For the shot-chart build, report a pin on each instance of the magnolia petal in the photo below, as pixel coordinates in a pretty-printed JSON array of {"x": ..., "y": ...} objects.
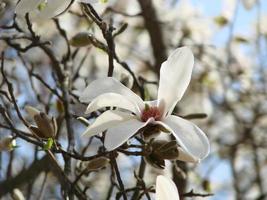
[
  {"x": 51, "y": 9},
  {"x": 175, "y": 75},
  {"x": 152, "y": 103},
  {"x": 192, "y": 140},
  {"x": 166, "y": 189},
  {"x": 183, "y": 156},
  {"x": 119, "y": 134},
  {"x": 106, "y": 85},
  {"x": 106, "y": 120},
  {"x": 111, "y": 100},
  {"x": 25, "y": 6}
]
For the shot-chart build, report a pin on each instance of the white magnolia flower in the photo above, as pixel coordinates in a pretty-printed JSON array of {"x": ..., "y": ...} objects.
[
  {"x": 135, "y": 114},
  {"x": 166, "y": 189},
  {"x": 45, "y": 9}
]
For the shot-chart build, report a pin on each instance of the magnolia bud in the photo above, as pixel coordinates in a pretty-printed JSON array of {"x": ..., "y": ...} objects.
[
  {"x": 97, "y": 163},
  {"x": 80, "y": 40},
  {"x": 35, "y": 130},
  {"x": 240, "y": 39},
  {"x": 45, "y": 125},
  {"x": 221, "y": 20},
  {"x": 155, "y": 161},
  {"x": 59, "y": 106},
  {"x": 7, "y": 144},
  {"x": 166, "y": 150},
  {"x": 206, "y": 185},
  {"x": 154, "y": 157},
  {"x": 160, "y": 150},
  {"x": 151, "y": 131},
  {"x": 93, "y": 165}
]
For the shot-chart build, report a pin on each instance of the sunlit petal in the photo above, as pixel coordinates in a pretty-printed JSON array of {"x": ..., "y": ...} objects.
[
  {"x": 25, "y": 6},
  {"x": 175, "y": 75},
  {"x": 111, "y": 100},
  {"x": 51, "y": 9},
  {"x": 107, "y": 85},
  {"x": 192, "y": 140},
  {"x": 166, "y": 189},
  {"x": 119, "y": 134},
  {"x": 106, "y": 120},
  {"x": 183, "y": 156}
]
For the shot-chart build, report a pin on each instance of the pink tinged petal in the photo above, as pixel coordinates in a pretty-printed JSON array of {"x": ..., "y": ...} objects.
[
  {"x": 105, "y": 121},
  {"x": 153, "y": 103},
  {"x": 111, "y": 100},
  {"x": 166, "y": 189},
  {"x": 192, "y": 140},
  {"x": 25, "y": 6},
  {"x": 109, "y": 85},
  {"x": 175, "y": 75},
  {"x": 119, "y": 134},
  {"x": 52, "y": 9}
]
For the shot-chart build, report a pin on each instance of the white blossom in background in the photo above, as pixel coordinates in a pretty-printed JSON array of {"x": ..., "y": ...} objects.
[
  {"x": 199, "y": 102},
  {"x": 188, "y": 20},
  {"x": 7, "y": 143},
  {"x": 17, "y": 194},
  {"x": 249, "y": 4},
  {"x": 175, "y": 75},
  {"x": 45, "y": 9},
  {"x": 262, "y": 24},
  {"x": 228, "y": 9},
  {"x": 166, "y": 189}
]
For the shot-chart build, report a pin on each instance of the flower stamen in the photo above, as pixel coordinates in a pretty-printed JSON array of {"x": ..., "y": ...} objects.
[{"x": 150, "y": 112}]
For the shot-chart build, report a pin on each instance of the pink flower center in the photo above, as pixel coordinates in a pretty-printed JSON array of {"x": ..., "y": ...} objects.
[{"x": 149, "y": 112}]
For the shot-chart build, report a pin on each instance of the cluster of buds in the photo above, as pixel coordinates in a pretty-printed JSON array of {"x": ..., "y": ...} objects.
[
  {"x": 160, "y": 150},
  {"x": 153, "y": 130}
]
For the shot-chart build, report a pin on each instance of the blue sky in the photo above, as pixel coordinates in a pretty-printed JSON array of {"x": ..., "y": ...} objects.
[
  {"x": 245, "y": 18},
  {"x": 243, "y": 26}
]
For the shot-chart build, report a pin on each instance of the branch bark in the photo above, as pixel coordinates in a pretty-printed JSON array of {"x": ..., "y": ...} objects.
[{"x": 155, "y": 32}]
